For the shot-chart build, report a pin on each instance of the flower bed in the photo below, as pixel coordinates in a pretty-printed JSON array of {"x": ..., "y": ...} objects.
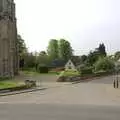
[{"x": 83, "y": 77}]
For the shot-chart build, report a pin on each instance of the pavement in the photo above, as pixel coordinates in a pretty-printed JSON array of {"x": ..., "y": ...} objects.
[{"x": 93, "y": 100}]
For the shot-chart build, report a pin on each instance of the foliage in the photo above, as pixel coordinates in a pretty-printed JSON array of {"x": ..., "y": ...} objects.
[
  {"x": 42, "y": 68},
  {"x": 42, "y": 58},
  {"x": 65, "y": 49},
  {"x": 117, "y": 55},
  {"x": 29, "y": 60},
  {"x": 21, "y": 46},
  {"x": 86, "y": 71},
  {"x": 68, "y": 73},
  {"x": 102, "y": 50},
  {"x": 53, "y": 49},
  {"x": 104, "y": 64},
  {"x": 94, "y": 56},
  {"x": 22, "y": 50},
  {"x": 83, "y": 58}
]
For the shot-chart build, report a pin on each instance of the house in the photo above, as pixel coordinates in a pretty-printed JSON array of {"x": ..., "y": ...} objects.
[
  {"x": 57, "y": 63},
  {"x": 73, "y": 63}
]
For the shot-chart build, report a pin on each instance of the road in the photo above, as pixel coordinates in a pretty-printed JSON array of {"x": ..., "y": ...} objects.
[
  {"x": 94, "y": 100},
  {"x": 58, "y": 112}
]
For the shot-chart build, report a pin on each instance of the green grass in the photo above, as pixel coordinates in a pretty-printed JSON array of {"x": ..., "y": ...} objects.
[
  {"x": 32, "y": 73},
  {"x": 8, "y": 84},
  {"x": 69, "y": 73}
]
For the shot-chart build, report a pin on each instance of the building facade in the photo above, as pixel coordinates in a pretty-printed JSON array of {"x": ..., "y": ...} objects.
[{"x": 9, "y": 63}]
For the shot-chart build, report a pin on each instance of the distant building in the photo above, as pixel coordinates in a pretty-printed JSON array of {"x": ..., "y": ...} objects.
[
  {"x": 9, "y": 63},
  {"x": 70, "y": 66},
  {"x": 73, "y": 63}
]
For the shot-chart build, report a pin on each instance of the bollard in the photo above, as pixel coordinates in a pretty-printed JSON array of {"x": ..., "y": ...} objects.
[
  {"x": 114, "y": 83},
  {"x": 117, "y": 84}
]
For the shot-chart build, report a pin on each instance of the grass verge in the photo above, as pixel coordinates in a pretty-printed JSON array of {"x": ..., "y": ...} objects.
[{"x": 8, "y": 84}]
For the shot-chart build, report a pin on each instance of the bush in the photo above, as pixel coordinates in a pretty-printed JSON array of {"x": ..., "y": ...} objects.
[
  {"x": 67, "y": 73},
  {"x": 102, "y": 73},
  {"x": 86, "y": 71},
  {"x": 104, "y": 64},
  {"x": 42, "y": 69}
]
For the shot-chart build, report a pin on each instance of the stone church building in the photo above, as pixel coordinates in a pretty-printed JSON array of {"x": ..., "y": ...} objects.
[{"x": 9, "y": 63}]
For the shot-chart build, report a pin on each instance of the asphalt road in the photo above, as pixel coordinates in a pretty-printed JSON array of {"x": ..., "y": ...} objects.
[
  {"x": 104, "y": 80},
  {"x": 58, "y": 112},
  {"x": 95, "y": 100}
]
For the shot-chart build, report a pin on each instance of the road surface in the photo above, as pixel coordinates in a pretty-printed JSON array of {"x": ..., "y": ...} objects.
[
  {"x": 94, "y": 100},
  {"x": 58, "y": 112}
]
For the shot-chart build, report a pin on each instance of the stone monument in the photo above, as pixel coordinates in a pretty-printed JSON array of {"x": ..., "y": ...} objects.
[{"x": 9, "y": 63}]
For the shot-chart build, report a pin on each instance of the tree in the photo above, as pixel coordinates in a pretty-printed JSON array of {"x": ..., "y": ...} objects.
[
  {"x": 21, "y": 46},
  {"x": 96, "y": 54},
  {"x": 43, "y": 58},
  {"x": 101, "y": 50},
  {"x": 22, "y": 50},
  {"x": 83, "y": 58},
  {"x": 117, "y": 55},
  {"x": 92, "y": 58},
  {"x": 53, "y": 49},
  {"x": 29, "y": 60},
  {"x": 65, "y": 49},
  {"x": 104, "y": 64}
]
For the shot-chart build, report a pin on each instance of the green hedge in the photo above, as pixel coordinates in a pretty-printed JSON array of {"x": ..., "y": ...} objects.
[
  {"x": 86, "y": 71},
  {"x": 43, "y": 69}
]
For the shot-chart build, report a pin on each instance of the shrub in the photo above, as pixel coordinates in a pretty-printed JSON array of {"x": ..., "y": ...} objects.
[
  {"x": 42, "y": 69},
  {"x": 67, "y": 73},
  {"x": 104, "y": 64},
  {"x": 86, "y": 71}
]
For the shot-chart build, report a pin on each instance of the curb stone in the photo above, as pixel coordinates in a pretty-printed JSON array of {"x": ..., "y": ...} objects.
[{"x": 20, "y": 92}]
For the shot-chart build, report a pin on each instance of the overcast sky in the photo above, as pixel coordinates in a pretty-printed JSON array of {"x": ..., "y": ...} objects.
[{"x": 85, "y": 23}]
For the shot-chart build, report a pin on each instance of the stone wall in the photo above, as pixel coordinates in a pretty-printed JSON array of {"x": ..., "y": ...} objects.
[{"x": 9, "y": 63}]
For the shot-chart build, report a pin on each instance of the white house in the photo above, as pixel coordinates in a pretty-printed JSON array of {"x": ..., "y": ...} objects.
[{"x": 70, "y": 66}]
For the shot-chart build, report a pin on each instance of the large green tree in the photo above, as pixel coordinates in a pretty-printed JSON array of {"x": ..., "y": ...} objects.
[
  {"x": 43, "y": 58},
  {"x": 92, "y": 57},
  {"x": 101, "y": 50},
  {"x": 53, "y": 49},
  {"x": 29, "y": 60},
  {"x": 104, "y": 64},
  {"x": 22, "y": 49},
  {"x": 65, "y": 49}
]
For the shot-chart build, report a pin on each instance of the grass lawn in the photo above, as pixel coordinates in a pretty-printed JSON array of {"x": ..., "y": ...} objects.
[
  {"x": 8, "y": 84},
  {"x": 31, "y": 73}
]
